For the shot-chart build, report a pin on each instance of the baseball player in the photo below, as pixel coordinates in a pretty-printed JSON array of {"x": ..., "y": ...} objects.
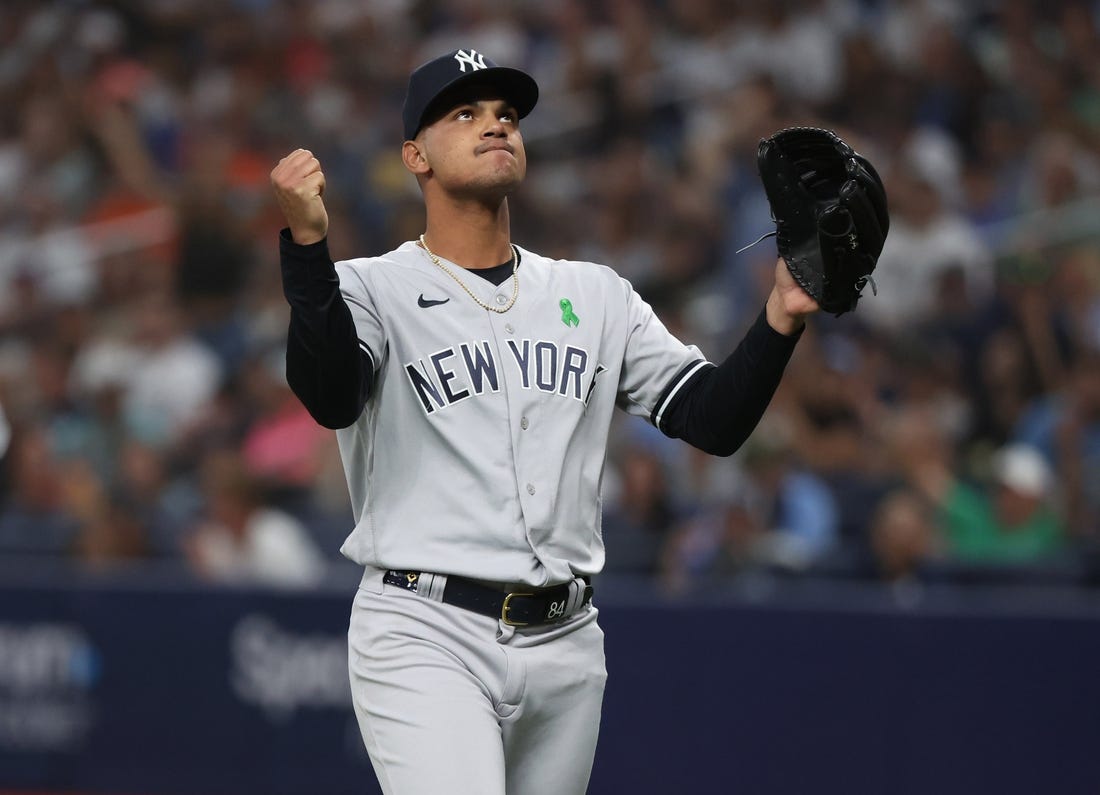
[{"x": 471, "y": 383}]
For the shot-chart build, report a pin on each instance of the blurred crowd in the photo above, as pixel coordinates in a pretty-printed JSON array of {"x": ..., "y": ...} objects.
[{"x": 949, "y": 429}]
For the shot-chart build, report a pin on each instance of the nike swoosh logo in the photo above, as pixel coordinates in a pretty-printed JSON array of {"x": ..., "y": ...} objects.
[{"x": 426, "y": 302}]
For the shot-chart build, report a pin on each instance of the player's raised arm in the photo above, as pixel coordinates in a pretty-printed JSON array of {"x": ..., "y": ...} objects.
[
  {"x": 299, "y": 185},
  {"x": 831, "y": 222},
  {"x": 325, "y": 365}
]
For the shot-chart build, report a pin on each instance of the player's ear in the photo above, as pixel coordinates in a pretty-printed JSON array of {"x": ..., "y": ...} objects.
[{"x": 412, "y": 155}]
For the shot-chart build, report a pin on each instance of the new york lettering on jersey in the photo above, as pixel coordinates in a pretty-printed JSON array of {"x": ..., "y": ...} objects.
[
  {"x": 455, "y": 373},
  {"x": 451, "y": 351}
]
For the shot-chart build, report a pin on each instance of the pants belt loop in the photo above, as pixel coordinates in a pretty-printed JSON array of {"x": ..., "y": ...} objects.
[
  {"x": 431, "y": 586},
  {"x": 576, "y": 596}
]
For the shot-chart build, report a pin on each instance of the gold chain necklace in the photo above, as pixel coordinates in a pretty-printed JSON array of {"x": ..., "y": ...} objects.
[{"x": 500, "y": 310}]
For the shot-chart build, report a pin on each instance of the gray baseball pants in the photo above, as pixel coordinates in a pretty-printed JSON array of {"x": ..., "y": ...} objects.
[{"x": 450, "y": 701}]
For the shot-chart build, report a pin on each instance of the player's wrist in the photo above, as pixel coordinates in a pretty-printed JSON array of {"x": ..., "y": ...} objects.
[
  {"x": 780, "y": 318},
  {"x": 307, "y": 237}
]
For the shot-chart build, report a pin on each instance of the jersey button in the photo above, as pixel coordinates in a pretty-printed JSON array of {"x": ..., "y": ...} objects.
[
  {"x": 523, "y": 423},
  {"x": 508, "y": 328},
  {"x": 530, "y": 489},
  {"x": 501, "y": 300}
]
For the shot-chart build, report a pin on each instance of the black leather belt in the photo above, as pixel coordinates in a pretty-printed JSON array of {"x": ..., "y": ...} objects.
[{"x": 517, "y": 608}]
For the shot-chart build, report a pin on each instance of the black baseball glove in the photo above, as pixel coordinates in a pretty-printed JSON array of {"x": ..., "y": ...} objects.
[{"x": 829, "y": 207}]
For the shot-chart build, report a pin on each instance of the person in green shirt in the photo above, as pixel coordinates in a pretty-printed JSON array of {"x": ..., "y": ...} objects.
[{"x": 1011, "y": 522}]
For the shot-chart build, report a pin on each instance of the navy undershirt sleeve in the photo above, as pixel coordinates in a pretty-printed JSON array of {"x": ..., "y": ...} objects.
[
  {"x": 325, "y": 366},
  {"x": 719, "y": 407}
]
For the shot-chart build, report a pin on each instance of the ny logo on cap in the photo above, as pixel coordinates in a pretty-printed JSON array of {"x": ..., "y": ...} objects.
[{"x": 475, "y": 59}]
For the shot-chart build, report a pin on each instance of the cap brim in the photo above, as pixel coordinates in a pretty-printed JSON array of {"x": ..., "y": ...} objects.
[{"x": 517, "y": 88}]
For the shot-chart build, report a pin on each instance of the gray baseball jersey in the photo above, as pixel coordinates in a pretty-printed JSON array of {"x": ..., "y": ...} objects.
[{"x": 481, "y": 450}]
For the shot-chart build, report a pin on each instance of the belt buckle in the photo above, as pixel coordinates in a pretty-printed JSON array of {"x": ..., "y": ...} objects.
[{"x": 506, "y": 607}]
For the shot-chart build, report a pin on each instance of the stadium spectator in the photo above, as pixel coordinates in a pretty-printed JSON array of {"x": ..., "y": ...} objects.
[
  {"x": 1011, "y": 519},
  {"x": 239, "y": 539},
  {"x": 1065, "y": 427},
  {"x": 779, "y": 515},
  {"x": 638, "y": 514},
  {"x": 904, "y": 536}
]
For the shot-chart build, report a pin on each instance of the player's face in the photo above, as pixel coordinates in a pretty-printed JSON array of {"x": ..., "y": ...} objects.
[{"x": 475, "y": 147}]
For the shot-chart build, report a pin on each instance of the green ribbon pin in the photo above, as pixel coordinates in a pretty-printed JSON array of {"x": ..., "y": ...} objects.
[{"x": 567, "y": 316}]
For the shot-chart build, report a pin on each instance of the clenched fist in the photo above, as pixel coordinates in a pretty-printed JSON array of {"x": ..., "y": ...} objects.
[{"x": 299, "y": 185}]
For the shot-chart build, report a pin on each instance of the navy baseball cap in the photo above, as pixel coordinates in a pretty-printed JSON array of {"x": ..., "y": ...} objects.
[{"x": 429, "y": 81}]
